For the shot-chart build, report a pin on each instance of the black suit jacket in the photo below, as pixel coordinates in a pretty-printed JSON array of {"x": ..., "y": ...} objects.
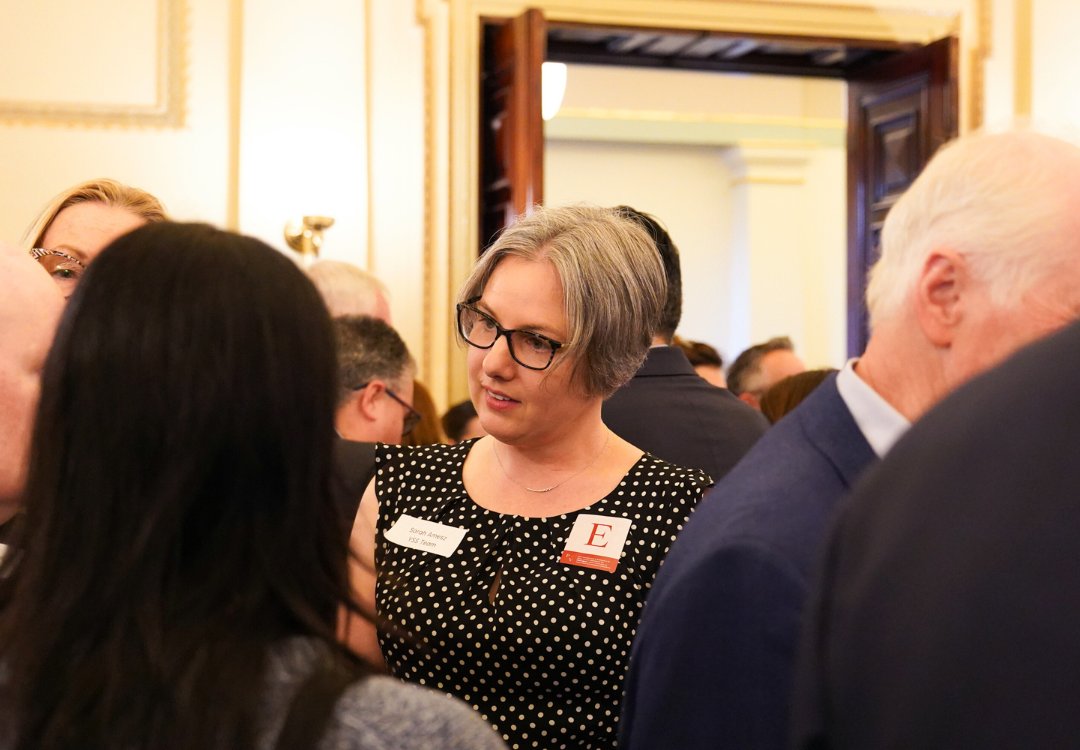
[
  {"x": 668, "y": 410},
  {"x": 948, "y": 615},
  {"x": 354, "y": 466}
]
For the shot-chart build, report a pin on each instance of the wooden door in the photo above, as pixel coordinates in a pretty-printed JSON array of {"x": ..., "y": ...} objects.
[
  {"x": 512, "y": 128},
  {"x": 899, "y": 112}
]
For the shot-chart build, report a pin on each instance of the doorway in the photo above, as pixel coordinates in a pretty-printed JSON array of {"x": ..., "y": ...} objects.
[
  {"x": 902, "y": 104},
  {"x": 453, "y": 43}
]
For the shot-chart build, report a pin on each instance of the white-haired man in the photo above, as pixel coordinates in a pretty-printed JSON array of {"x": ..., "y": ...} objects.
[
  {"x": 979, "y": 257},
  {"x": 30, "y": 306},
  {"x": 349, "y": 290}
]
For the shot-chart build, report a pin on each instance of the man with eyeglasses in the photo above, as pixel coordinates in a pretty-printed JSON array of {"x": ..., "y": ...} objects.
[
  {"x": 375, "y": 373},
  {"x": 375, "y": 391},
  {"x": 30, "y": 306}
]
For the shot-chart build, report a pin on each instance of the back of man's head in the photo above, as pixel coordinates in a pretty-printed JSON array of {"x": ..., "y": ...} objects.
[
  {"x": 1006, "y": 202},
  {"x": 669, "y": 254},
  {"x": 348, "y": 290},
  {"x": 980, "y": 257},
  {"x": 752, "y": 373},
  {"x": 30, "y": 306},
  {"x": 370, "y": 352}
]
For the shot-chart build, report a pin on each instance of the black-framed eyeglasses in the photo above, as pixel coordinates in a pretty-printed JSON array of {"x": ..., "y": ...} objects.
[
  {"x": 412, "y": 416},
  {"x": 529, "y": 349},
  {"x": 66, "y": 270}
]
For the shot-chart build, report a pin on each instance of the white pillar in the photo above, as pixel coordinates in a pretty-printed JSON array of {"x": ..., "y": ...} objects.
[{"x": 788, "y": 254}]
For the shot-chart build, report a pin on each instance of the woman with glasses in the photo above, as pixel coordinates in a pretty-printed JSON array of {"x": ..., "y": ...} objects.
[
  {"x": 80, "y": 222},
  {"x": 512, "y": 569},
  {"x": 182, "y": 560}
]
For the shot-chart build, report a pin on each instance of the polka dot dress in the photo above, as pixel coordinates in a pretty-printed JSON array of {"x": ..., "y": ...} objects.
[{"x": 537, "y": 646}]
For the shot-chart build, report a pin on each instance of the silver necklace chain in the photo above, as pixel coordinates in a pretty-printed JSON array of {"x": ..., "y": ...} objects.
[{"x": 557, "y": 484}]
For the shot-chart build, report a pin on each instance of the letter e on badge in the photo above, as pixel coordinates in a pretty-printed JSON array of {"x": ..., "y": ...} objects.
[{"x": 596, "y": 542}]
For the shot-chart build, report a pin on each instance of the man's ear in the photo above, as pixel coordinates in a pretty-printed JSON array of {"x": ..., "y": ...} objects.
[
  {"x": 750, "y": 400},
  {"x": 939, "y": 295},
  {"x": 367, "y": 399}
]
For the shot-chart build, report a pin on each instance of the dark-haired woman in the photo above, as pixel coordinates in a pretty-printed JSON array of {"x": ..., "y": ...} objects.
[{"x": 182, "y": 559}]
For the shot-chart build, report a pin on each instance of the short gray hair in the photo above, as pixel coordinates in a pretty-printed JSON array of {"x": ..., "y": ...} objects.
[
  {"x": 347, "y": 289},
  {"x": 613, "y": 286},
  {"x": 1007, "y": 202},
  {"x": 368, "y": 348}
]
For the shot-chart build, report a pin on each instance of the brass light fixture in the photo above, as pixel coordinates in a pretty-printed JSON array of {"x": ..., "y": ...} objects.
[{"x": 307, "y": 239}]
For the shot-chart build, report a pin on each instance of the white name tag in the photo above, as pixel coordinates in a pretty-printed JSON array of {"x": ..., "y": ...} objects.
[
  {"x": 596, "y": 542},
  {"x": 428, "y": 536}
]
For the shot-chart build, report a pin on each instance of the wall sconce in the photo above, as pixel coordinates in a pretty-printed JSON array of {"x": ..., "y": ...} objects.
[
  {"x": 307, "y": 239},
  {"x": 553, "y": 88}
]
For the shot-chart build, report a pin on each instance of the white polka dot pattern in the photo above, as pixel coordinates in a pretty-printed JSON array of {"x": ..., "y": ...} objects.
[{"x": 545, "y": 662}]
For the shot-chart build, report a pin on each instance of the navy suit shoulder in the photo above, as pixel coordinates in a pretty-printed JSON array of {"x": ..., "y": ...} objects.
[
  {"x": 714, "y": 655},
  {"x": 670, "y": 411}
]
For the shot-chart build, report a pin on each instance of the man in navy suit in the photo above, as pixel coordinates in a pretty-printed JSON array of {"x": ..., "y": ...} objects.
[
  {"x": 979, "y": 257},
  {"x": 948, "y": 615},
  {"x": 667, "y": 409}
]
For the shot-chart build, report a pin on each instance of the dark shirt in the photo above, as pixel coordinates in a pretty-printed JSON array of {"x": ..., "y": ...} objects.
[
  {"x": 354, "y": 466},
  {"x": 7, "y": 530}
]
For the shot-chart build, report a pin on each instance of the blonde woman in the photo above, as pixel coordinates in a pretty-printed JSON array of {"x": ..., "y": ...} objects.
[{"x": 76, "y": 225}]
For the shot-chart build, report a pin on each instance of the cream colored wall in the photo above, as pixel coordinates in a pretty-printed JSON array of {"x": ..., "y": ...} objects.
[
  {"x": 303, "y": 132},
  {"x": 1055, "y": 67},
  {"x": 187, "y": 166},
  {"x": 687, "y": 188},
  {"x": 396, "y": 151}
]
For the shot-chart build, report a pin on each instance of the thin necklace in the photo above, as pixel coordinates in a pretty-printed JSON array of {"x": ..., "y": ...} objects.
[{"x": 557, "y": 484}]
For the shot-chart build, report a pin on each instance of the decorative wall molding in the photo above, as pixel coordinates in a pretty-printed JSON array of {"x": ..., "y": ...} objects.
[
  {"x": 764, "y": 163},
  {"x": 1022, "y": 36},
  {"x": 976, "y": 47},
  {"x": 823, "y": 20},
  {"x": 236, "y": 85},
  {"x": 689, "y": 128},
  {"x": 168, "y": 109},
  {"x": 369, "y": 146},
  {"x": 437, "y": 358}
]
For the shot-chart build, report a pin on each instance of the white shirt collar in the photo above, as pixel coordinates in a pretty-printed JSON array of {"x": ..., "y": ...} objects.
[{"x": 879, "y": 422}]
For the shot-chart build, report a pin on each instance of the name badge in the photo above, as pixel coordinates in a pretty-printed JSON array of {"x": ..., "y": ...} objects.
[
  {"x": 428, "y": 536},
  {"x": 596, "y": 542}
]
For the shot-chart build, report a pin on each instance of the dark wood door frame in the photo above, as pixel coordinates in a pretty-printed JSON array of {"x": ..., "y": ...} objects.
[
  {"x": 511, "y": 125},
  {"x": 900, "y": 112}
]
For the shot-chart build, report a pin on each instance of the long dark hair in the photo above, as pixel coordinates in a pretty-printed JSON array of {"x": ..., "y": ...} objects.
[{"x": 178, "y": 516}]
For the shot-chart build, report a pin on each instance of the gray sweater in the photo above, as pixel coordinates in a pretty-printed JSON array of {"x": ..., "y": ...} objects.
[{"x": 377, "y": 713}]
